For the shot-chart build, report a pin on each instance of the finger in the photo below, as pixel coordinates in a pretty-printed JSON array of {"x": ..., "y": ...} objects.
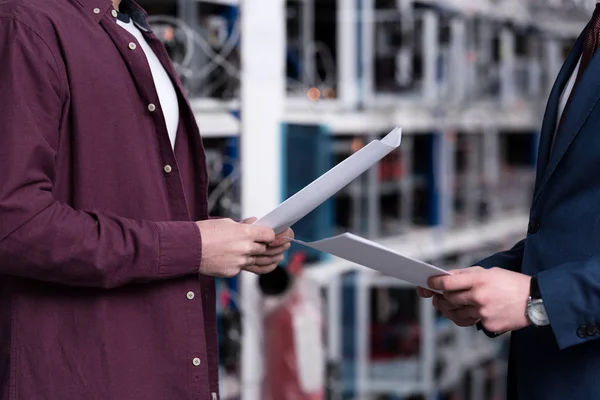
[
  {"x": 291, "y": 234},
  {"x": 275, "y": 251},
  {"x": 250, "y": 221},
  {"x": 260, "y": 270},
  {"x": 424, "y": 293},
  {"x": 280, "y": 240},
  {"x": 466, "y": 316},
  {"x": 443, "y": 305},
  {"x": 250, "y": 261},
  {"x": 463, "y": 297},
  {"x": 262, "y": 234},
  {"x": 263, "y": 261},
  {"x": 257, "y": 249},
  {"x": 288, "y": 233},
  {"x": 452, "y": 283}
]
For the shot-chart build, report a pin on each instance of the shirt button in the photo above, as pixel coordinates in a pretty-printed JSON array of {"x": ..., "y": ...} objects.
[
  {"x": 96, "y": 11},
  {"x": 114, "y": 13},
  {"x": 190, "y": 295},
  {"x": 196, "y": 361},
  {"x": 132, "y": 46},
  {"x": 151, "y": 107},
  {"x": 168, "y": 169},
  {"x": 581, "y": 332}
]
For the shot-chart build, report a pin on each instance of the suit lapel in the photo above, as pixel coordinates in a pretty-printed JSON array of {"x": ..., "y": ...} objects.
[
  {"x": 551, "y": 114},
  {"x": 585, "y": 97}
]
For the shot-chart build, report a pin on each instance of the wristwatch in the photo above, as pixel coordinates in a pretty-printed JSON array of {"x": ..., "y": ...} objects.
[{"x": 536, "y": 311}]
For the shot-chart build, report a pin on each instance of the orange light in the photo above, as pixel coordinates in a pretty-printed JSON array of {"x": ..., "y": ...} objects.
[
  {"x": 357, "y": 144},
  {"x": 471, "y": 57},
  {"x": 329, "y": 93},
  {"x": 313, "y": 94},
  {"x": 169, "y": 34}
]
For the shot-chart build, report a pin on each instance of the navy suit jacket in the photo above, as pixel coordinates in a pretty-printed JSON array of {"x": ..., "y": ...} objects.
[{"x": 562, "y": 248}]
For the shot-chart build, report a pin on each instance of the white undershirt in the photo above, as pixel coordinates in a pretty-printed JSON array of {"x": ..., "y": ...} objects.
[
  {"x": 164, "y": 86},
  {"x": 567, "y": 92}
]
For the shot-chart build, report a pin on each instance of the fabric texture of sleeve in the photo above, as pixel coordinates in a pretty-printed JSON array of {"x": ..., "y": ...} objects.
[
  {"x": 509, "y": 259},
  {"x": 571, "y": 294},
  {"x": 41, "y": 238}
]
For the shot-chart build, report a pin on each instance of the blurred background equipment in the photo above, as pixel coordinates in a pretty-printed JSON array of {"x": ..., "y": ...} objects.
[
  {"x": 285, "y": 89},
  {"x": 295, "y": 365}
]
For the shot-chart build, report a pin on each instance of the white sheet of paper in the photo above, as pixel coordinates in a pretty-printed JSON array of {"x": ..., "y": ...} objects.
[
  {"x": 316, "y": 193},
  {"x": 377, "y": 257}
]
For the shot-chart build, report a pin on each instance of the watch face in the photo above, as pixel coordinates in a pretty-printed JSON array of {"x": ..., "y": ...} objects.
[{"x": 537, "y": 314}]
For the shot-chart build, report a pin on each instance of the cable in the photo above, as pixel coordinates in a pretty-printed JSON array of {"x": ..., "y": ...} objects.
[
  {"x": 217, "y": 59},
  {"x": 187, "y": 59},
  {"x": 317, "y": 47},
  {"x": 232, "y": 74},
  {"x": 222, "y": 187}
]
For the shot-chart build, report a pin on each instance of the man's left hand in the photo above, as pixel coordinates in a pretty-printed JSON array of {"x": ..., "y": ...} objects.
[
  {"x": 499, "y": 296},
  {"x": 270, "y": 259}
]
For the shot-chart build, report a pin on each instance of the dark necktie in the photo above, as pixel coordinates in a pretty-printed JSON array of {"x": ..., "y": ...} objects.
[{"x": 591, "y": 44}]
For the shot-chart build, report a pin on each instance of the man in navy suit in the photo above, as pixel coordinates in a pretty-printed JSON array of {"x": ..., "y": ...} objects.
[{"x": 546, "y": 289}]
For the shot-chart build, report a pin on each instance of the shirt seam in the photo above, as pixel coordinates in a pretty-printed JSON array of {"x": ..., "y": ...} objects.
[
  {"x": 160, "y": 249},
  {"x": 36, "y": 33}
]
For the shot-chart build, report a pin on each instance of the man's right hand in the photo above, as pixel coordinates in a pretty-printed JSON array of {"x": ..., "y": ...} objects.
[
  {"x": 228, "y": 246},
  {"x": 461, "y": 315}
]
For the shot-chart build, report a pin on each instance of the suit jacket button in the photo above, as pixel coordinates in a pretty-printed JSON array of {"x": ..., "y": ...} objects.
[
  {"x": 534, "y": 226},
  {"x": 592, "y": 330},
  {"x": 581, "y": 332}
]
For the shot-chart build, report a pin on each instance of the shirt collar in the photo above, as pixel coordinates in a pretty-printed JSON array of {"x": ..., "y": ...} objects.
[
  {"x": 97, "y": 8},
  {"x": 123, "y": 17},
  {"x": 129, "y": 9}
]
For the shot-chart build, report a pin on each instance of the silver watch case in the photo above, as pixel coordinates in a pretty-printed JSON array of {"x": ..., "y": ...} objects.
[{"x": 536, "y": 312}]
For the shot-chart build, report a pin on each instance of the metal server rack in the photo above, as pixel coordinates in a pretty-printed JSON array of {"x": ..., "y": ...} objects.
[{"x": 489, "y": 148}]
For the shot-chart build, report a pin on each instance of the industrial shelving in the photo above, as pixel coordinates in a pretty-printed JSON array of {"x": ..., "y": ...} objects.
[
  {"x": 430, "y": 244},
  {"x": 466, "y": 80}
]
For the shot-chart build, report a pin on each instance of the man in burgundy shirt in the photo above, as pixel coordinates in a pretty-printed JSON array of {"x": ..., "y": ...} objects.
[{"x": 107, "y": 287}]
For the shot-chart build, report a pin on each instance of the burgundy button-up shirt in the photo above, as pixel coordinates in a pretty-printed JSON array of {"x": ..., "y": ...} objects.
[{"x": 100, "y": 296}]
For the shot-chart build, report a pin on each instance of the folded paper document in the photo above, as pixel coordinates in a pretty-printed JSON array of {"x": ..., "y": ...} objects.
[
  {"x": 374, "y": 256},
  {"x": 349, "y": 246},
  {"x": 302, "y": 203}
]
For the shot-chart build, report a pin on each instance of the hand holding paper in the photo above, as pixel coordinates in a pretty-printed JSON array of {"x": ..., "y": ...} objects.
[
  {"x": 348, "y": 246},
  {"x": 374, "y": 256}
]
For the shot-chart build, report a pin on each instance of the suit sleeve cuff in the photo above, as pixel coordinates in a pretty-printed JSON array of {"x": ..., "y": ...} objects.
[
  {"x": 487, "y": 263},
  {"x": 180, "y": 249},
  {"x": 558, "y": 291}
]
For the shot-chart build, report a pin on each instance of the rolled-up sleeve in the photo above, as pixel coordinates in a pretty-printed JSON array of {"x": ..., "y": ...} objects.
[{"x": 41, "y": 238}]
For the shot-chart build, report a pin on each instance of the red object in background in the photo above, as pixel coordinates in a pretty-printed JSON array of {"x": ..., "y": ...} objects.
[
  {"x": 282, "y": 376},
  {"x": 390, "y": 341},
  {"x": 391, "y": 168}
]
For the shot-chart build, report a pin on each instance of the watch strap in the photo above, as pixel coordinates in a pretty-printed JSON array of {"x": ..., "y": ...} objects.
[
  {"x": 487, "y": 333},
  {"x": 534, "y": 289}
]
